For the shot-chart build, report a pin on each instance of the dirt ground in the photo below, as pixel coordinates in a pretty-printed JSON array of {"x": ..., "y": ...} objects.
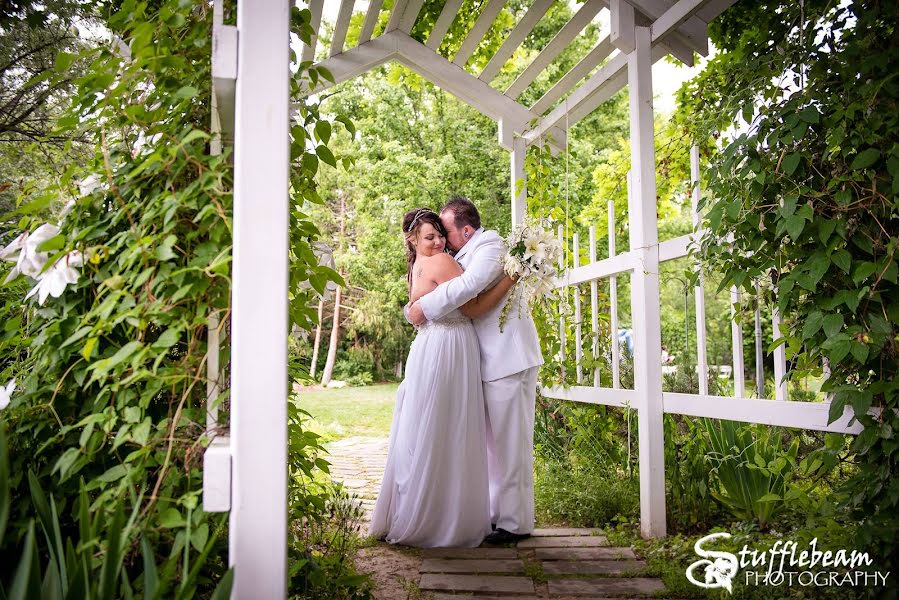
[{"x": 393, "y": 571}]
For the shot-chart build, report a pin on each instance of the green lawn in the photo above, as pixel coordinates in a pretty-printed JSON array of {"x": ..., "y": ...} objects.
[{"x": 347, "y": 412}]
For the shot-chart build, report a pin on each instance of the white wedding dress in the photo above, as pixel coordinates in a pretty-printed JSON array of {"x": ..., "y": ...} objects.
[{"x": 435, "y": 487}]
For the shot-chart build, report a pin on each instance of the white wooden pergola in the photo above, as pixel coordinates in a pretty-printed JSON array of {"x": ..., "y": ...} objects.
[{"x": 245, "y": 473}]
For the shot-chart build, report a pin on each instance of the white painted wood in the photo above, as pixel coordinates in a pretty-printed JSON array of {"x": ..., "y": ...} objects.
[
  {"x": 371, "y": 19},
  {"x": 736, "y": 338},
  {"x": 674, "y": 45},
  {"x": 217, "y": 476},
  {"x": 598, "y": 54},
  {"x": 356, "y": 61},
  {"x": 447, "y": 15},
  {"x": 694, "y": 31},
  {"x": 340, "y": 28},
  {"x": 478, "y": 31},
  {"x": 519, "y": 181},
  {"x": 608, "y": 267},
  {"x": 699, "y": 291},
  {"x": 410, "y": 15},
  {"x": 563, "y": 296},
  {"x": 578, "y": 317},
  {"x": 759, "y": 353},
  {"x": 613, "y": 292},
  {"x": 674, "y": 17},
  {"x": 315, "y": 7},
  {"x": 711, "y": 9},
  {"x": 780, "y": 358},
  {"x": 516, "y": 37},
  {"x": 555, "y": 46},
  {"x": 591, "y": 395},
  {"x": 469, "y": 89},
  {"x": 675, "y": 248},
  {"x": 802, "y": 415},
  {"x": 594, "y": 308},
  {"x": 645, "y": 305},
  {"x": 396, "y": 15},
  {"x": 213, "y": 371},
  {"x": 622, "y": 22},
  {"x": 258, "y": 519},
  {"x": 224, "y": 77}
]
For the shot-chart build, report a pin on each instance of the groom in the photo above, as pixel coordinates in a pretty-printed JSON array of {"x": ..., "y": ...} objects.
[{"x": 510, "y": 360}]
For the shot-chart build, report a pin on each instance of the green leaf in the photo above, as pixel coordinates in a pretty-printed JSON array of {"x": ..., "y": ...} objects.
[
  {"x": 188, "y": 91},
  {"x": 113, "y": 474},
  {"x": 791, "y": 162},
  {"x": 168, "y": 338},
  {"x": 863, "y": 271},
  {"x": 325, "y": 154},
  {"x": 832, "y": 324},
  {"x": 865, "y": 159},
  {"x": 860, "y": 352},
  {"x": 842, "y": 259},
  {"x": 323, "y": 131},
  {"x": 171, "y": 518},
  {"x": 57, "y": 242},
  {"x": 812, "y": 324},
  {"x": 795, "y": 224}
]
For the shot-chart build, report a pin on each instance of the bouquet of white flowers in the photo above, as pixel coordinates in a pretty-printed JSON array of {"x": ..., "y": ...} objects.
[{"x": 533, "y": 255}]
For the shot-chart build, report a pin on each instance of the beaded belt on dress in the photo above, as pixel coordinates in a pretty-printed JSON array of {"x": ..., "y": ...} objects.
[{"x": 449, "y": 322}]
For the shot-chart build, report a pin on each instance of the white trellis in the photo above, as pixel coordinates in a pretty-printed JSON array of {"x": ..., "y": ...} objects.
[{"x": 245, "y": 472}]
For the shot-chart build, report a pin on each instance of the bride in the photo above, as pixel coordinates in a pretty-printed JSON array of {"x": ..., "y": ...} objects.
[{"x": 435, "y": 487}]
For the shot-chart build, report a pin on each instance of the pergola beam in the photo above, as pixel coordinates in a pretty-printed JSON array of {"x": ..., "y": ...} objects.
[
  {"x": 447, "y": 15},
  {"x": 515, "y": 39},
  {"x": 396, "y": 15},
  {"x": 478, "y": 31},
  {"x": 371, "y": 19},
  {"x": 600, "y": 52},
  {"x": 693, "y": 31},
  {"x": 410, "y": 14},
  {"x": 613, "y": 75},
  {"x": 356, "y": 61},
  {"x": 340, "y": 29},
  {"x": 315, "y": 7},
  {"x": 559, "y": 42}
]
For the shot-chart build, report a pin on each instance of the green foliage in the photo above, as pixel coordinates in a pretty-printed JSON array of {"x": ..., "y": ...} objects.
[
  {"x": 808, "y": 191},
  {"x": 111, "y": 400},
  {"x": 586, "y": 496}
]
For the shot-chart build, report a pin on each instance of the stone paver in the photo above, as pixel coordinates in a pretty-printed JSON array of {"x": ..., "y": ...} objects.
[
  {"x": 565, "y": 532},
  {"x": 358, "y": 463},
  {"x": 444, "y": 565},
  {"x": 564, "y": 542},
  {"x": 605, "y": 586},
  {"x": 506, "y": 584},
  {"x": 592, "y": 567},
  {"x": 584, "y": 554},
  {"x": 470, "y": 553}
]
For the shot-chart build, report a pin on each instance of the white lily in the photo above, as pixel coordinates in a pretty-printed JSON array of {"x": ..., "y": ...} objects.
[
  {"x": 54, "y": 280},
  {"x": 5, "y": 393},
  {"x": 29, "y": 261}
]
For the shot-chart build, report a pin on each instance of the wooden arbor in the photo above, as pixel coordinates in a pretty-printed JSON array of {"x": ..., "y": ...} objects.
[{"x": 246, "y": 473}]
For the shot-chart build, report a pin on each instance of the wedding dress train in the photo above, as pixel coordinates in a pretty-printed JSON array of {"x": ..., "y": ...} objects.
[{"x": 435, "y": 487}]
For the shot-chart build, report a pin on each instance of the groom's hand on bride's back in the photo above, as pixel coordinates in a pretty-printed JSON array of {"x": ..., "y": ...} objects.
[{"x": 415, "y": 314}]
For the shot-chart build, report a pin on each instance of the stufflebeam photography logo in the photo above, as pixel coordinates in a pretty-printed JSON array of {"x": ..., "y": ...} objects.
[{"x": 784, "y": 564}]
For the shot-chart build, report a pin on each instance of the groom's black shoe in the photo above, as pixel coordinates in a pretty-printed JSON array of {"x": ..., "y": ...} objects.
[
  {"x": 501, "y": 536},
  {"x": 493, "y": 526}
]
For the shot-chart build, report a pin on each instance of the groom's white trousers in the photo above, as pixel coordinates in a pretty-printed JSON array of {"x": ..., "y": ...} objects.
[{"x": 511, "y": 402}]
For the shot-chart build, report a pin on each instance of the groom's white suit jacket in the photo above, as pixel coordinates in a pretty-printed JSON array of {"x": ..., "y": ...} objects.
[{"x": 505, "y": 352}]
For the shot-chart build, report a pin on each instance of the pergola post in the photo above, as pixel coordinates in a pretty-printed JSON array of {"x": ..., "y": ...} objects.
[
  {"x": 519, "y": 195},
  {"x": 258, "y": 520},
  {"x": 645, "y": 307}
]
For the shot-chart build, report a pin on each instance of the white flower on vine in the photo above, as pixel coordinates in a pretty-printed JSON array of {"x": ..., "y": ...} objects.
[
  {"x": 53, "y": 281},
  {"x": 24, "y": 252},
  {"x": 5, "y": 393}
]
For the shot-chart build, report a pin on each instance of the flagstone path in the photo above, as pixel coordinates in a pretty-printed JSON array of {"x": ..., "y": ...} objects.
[{"x": 561, "y": 563}]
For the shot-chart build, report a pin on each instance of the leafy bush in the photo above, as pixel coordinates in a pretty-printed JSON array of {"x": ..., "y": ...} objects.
[{"x": 589, "y": 495}]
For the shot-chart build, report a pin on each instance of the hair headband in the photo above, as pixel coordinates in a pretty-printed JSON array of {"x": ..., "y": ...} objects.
[{"x": 421, "y": 212}]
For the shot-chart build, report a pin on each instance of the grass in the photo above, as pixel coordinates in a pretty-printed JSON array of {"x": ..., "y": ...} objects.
[{"x": 348, "y": 412}]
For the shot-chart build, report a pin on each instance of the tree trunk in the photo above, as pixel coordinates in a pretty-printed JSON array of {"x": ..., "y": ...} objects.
[
  {"x": 335, "y": 337},
  {"x": 318, "y": 338}
]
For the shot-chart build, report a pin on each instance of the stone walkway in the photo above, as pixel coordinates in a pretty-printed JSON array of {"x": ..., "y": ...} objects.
[
  {"x": 359, "y": 463},
  {"x": 554, "y": 563},
  {"x": 563, "y": 563}
]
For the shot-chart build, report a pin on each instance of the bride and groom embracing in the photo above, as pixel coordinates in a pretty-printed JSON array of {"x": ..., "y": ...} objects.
[{"x": 460, "y": 459}]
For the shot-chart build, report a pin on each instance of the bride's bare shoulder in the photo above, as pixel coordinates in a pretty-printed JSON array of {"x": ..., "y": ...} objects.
[{"x": 441, "y": 266}]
